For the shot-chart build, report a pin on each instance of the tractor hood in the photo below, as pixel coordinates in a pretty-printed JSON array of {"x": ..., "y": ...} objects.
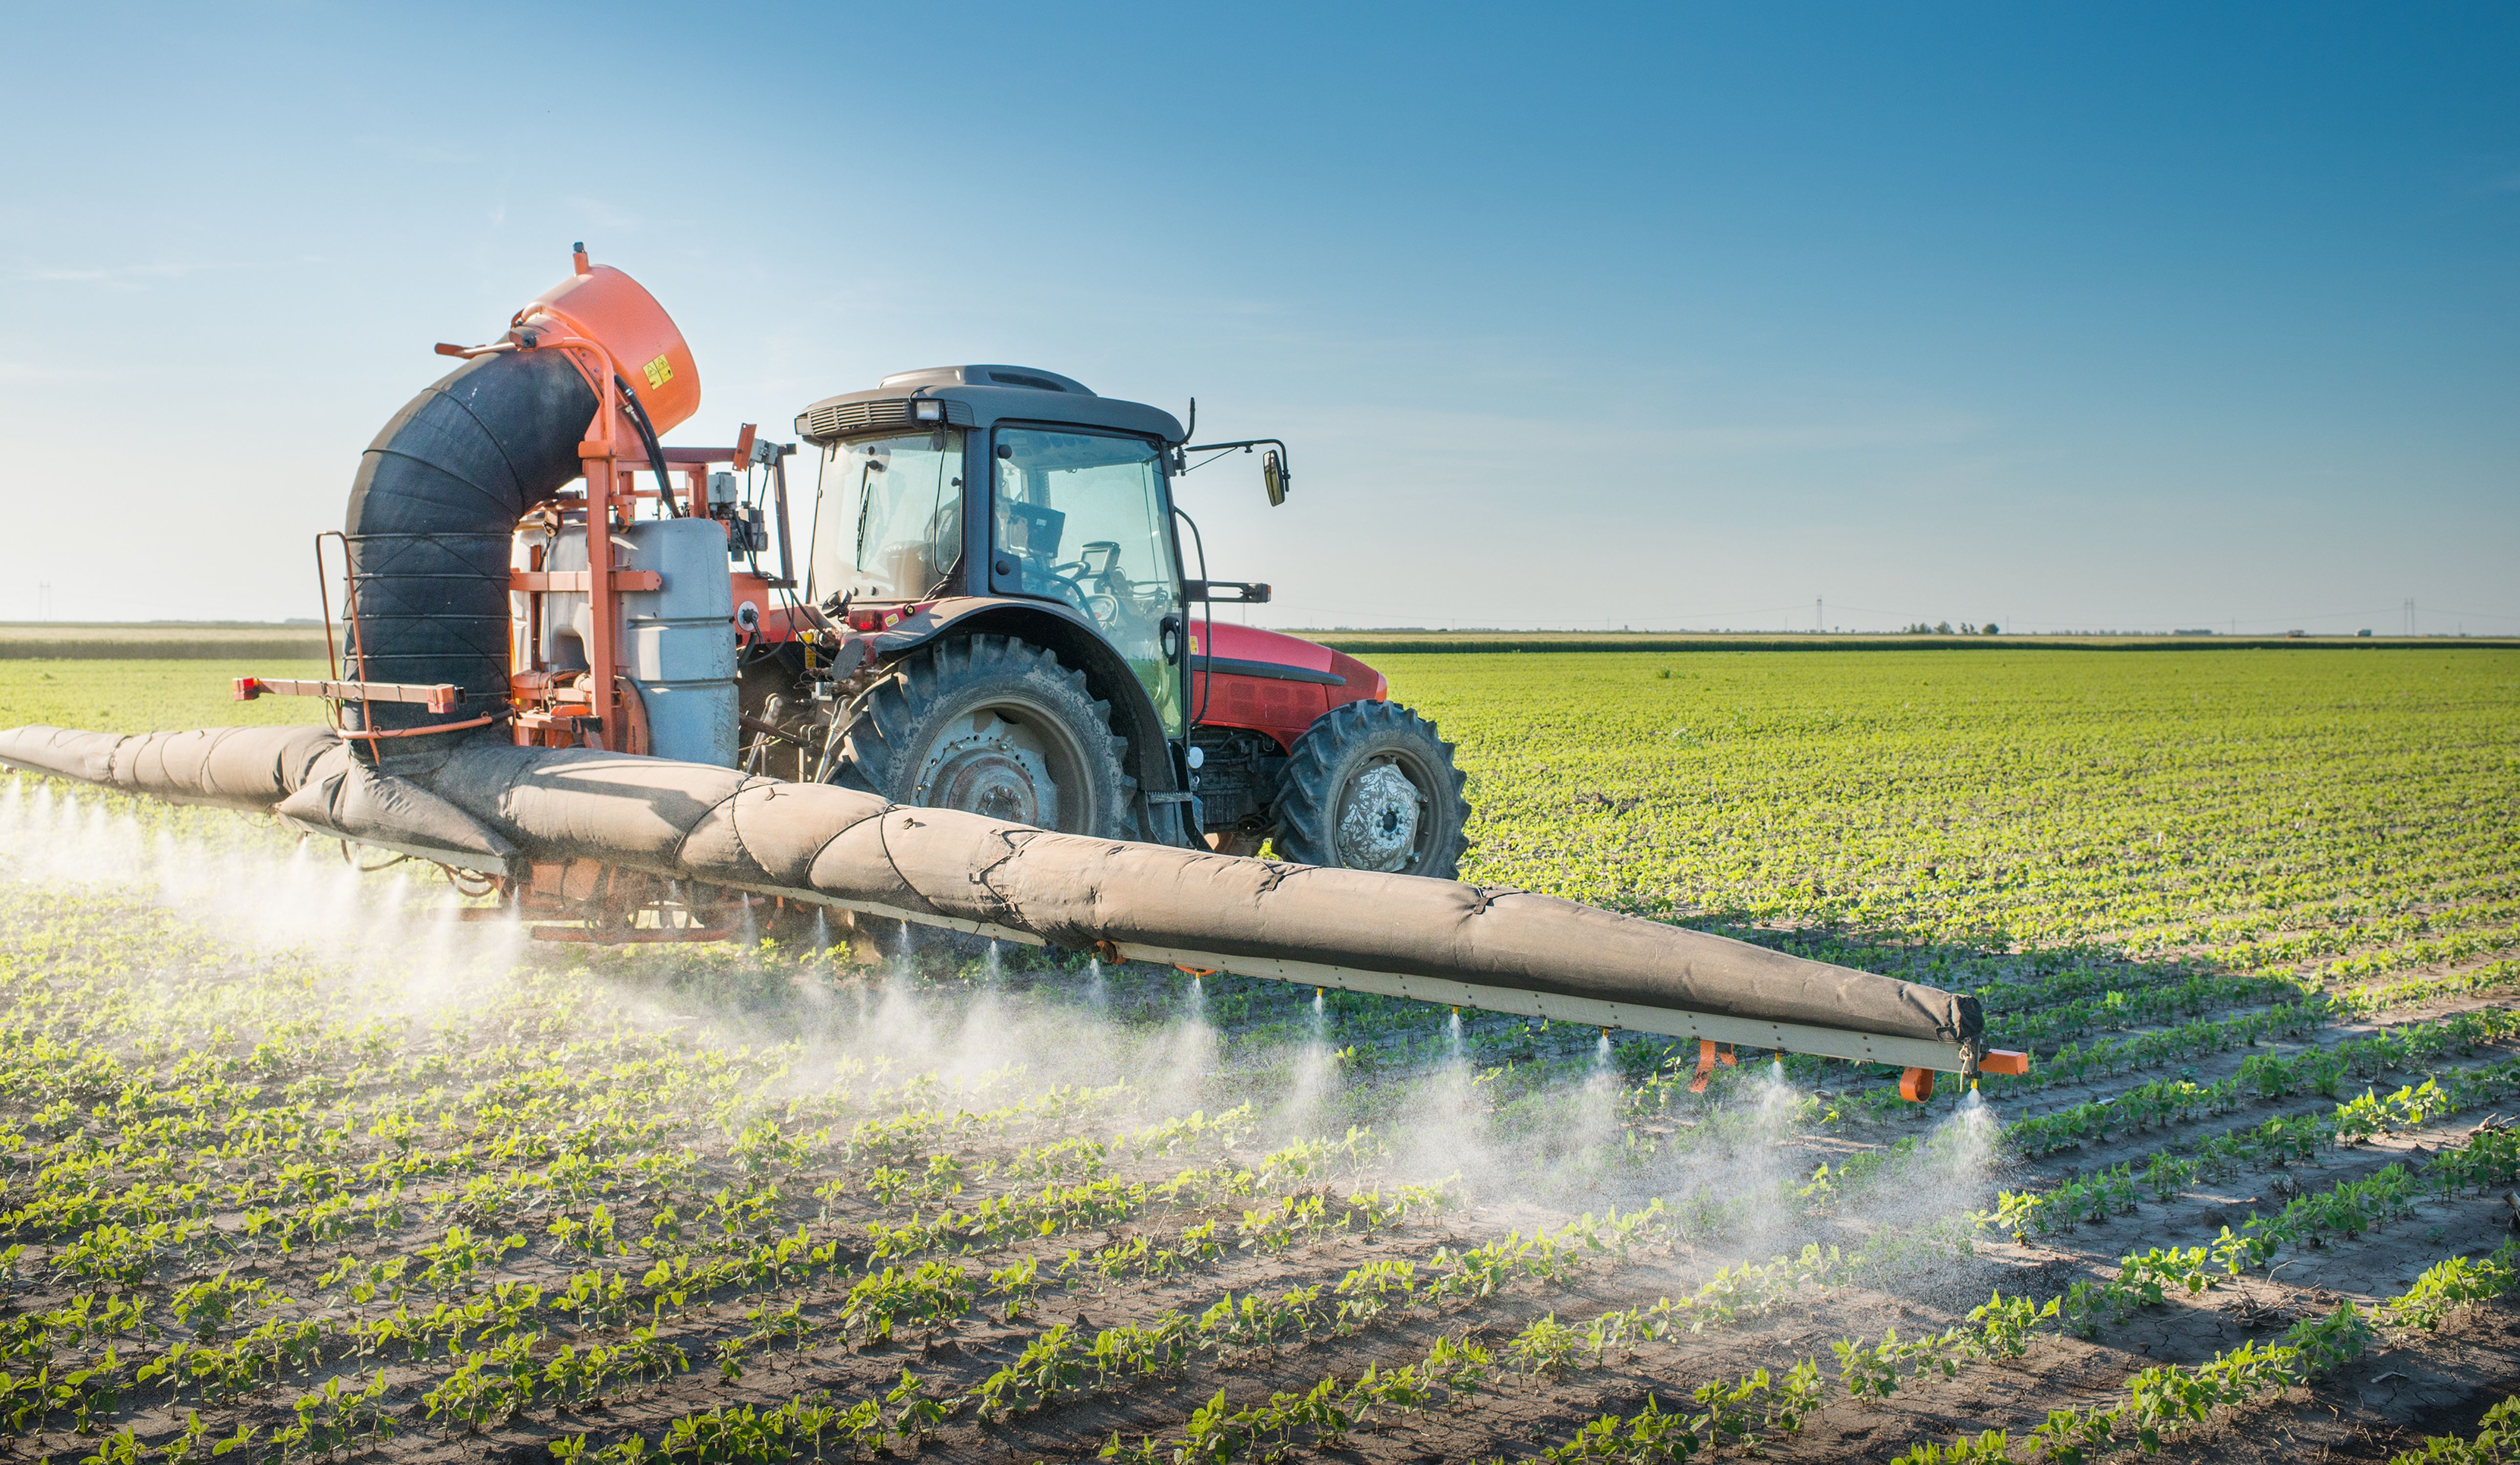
[{"x": 1246, "y": 648}]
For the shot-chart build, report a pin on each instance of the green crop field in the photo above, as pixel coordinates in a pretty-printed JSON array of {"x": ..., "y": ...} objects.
[
  {"x": 295, "y": 1165},
  {"x": 160, "y": 641},
  {"x": 144, "y": 696}
]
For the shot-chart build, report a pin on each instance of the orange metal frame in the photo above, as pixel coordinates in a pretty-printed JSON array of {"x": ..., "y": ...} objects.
[{"x": 613, "y": 718}]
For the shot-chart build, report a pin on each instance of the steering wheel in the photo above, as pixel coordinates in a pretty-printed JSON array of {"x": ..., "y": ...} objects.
[
  {"x": 1097, "y": 561},
  {"x": 1071, "y": 580}
]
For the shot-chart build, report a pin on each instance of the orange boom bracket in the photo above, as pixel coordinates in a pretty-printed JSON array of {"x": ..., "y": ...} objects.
[
  {"x": 1709, "y": 1054},
  {"x": 439, "y": 697},
  {"x": 1916, "y": 1084}
]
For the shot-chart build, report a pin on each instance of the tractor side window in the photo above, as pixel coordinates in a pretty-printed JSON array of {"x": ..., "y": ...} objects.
[
  {"x": 1079, "y": 518},
  {"x": 888, "y": 519}
]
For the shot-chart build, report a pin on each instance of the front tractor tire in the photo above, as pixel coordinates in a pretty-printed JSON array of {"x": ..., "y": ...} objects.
[
  {"x": 992, "y": 725},
  {"x": 1372, "y": 786}
]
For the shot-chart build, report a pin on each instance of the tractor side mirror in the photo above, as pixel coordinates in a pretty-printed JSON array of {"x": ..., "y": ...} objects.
[{"x": 1273, "y": 477}]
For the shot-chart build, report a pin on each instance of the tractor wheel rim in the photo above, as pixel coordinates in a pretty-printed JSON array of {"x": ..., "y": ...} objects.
[
  {"x": 1379, "y": 814},
  {"x": 1005, "y": 763}
]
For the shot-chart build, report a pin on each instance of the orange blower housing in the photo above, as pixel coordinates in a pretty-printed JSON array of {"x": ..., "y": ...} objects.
[{"x": 601, "y": 304}]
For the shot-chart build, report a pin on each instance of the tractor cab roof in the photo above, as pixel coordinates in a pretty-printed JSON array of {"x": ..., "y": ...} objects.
[{"x": 978, "y": 397}]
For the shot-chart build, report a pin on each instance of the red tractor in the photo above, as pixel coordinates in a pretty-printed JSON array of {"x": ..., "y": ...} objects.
[
  {"x": 551, "y": 685},
  {"x": 996, "y": 615}
]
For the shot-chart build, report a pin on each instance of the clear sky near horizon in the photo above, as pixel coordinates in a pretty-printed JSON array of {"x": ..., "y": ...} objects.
[{"x": 1668, "y": 316}]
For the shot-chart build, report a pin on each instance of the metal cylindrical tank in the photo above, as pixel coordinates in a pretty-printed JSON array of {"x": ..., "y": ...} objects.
[{"x": 678, "y": 641}]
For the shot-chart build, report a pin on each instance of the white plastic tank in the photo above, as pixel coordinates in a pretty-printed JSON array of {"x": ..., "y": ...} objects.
[{"x": 677, "y": 642}]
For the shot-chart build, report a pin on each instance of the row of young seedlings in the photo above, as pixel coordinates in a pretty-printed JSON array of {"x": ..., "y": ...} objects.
[
  {"x": 2065, "y": 1009},
  {"x": 1730, "y": 1411},
  {"x": 1062, "y": 1364},
  {"x": 87, "y": 1185},
  {"x": 284, "y": 1343},
  {"x": 2160, "y": 1399},
  {"x": 279, "y": 1346},
  {"x": 2276, "y": 1141},
  {"x": 115, "y": 1253},
  {"x": 503, "y": 1380},
  {"x": 77, "y": 1068},
  {"x": 2301, "y": 959},
  {"x": 505, "y": 1376},
  {"x": 493, "y": 1334},
  {"x": 2109, "y": 1057},
  {"x": 2270, "y": 1075},
  {"x": 2166, "y": 1400},
  {"x": 1060, "y": 1361},
  {"x": 1251, "y": 1322},
  {"x": 2347, "y": 1208}
]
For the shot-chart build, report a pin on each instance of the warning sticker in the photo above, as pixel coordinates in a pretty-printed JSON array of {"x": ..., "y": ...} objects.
[{"x": 659, "y": 371}]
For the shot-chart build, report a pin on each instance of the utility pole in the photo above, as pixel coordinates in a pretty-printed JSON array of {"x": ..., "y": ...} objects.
[
  {"x": 2411, "y": 615},
  {"x": 1818, "y": 623},
  {"x": 44, "y": 601}
]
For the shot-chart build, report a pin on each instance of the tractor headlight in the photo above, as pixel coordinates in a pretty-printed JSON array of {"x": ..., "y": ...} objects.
[{"x": 927, "y": 410}]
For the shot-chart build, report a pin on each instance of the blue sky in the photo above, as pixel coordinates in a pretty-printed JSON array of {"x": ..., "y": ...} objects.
[{"x": 1676, "y": 316}]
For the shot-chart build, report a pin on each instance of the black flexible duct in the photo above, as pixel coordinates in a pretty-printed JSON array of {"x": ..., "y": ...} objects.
[{"x": 431, "y": 514}]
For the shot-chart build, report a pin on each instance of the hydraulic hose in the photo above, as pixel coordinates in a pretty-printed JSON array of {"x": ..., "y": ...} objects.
[{"x": 648, "y": 439}]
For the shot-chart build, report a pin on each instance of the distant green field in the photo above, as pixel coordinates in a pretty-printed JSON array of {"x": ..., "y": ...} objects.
[
  {"x": 2035, "y": 797},
  {"x": 160, "y": 641},
  {"x": 146, "y": 696}
]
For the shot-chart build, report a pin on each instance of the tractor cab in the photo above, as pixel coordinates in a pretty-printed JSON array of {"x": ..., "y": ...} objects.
[
  {"x": 1073, "y": 507},
  {"x": 1011, "y": 629}
]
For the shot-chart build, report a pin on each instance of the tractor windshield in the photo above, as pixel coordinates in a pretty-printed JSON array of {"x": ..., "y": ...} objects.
[
  {"x": 888, "y": 519},
  {"x": 1080, "y": 518}
]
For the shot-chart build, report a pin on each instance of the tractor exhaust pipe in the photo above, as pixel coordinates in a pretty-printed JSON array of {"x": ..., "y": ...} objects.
[{"x": 489, "y": 806}]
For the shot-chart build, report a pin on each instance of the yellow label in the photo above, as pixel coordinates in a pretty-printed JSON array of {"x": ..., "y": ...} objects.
[{"x": 659, "y": 371}]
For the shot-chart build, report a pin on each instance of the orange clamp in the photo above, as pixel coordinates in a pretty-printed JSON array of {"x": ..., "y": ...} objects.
[{"x": 1708, "y": 1055}]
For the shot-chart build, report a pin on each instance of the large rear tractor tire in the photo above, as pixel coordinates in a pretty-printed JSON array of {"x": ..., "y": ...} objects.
[
  {"x": 992, "y": 725},
  {"x": 1371, "y": 786}
]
